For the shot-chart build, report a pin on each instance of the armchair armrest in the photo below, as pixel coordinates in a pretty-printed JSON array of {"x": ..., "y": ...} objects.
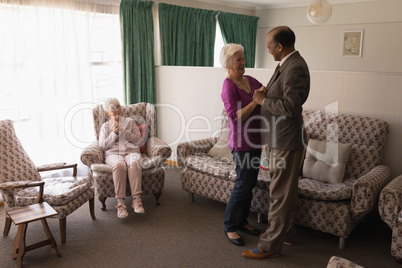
[
  {"x": 186, "y": 149},
  {"x": 92, "y": 154},
  {"x": 367, "y": 189},
  {"x": 7, "y": 189},
  {"x": 157, "y": 147},
  {"x": 390, "y": 202},
  {"x": 10, "y": 185},
  {"x": 57, "y": 166}
]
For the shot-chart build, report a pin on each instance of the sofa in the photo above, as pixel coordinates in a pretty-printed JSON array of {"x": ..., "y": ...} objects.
[
  {"x": 389, "y": 206},
  {"x": 334, "y": 208}
]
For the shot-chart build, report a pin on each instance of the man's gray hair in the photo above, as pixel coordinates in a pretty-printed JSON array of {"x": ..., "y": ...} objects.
[
  {"x": 111, "y": 101},
  {"x": 227, "y": 53}
]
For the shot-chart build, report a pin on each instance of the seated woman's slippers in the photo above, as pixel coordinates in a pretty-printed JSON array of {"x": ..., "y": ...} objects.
[
  {"x": 238, "y": 241},
  {"x": 255, "y": 231}
]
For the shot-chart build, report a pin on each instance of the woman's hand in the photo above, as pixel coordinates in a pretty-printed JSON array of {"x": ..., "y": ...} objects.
[
  {"x": 258, "y": 97},
  {"x": 116, "y": 127}
]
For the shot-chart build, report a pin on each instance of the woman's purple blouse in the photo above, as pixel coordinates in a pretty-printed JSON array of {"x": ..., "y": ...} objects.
[{"x": 242, "y": 136}]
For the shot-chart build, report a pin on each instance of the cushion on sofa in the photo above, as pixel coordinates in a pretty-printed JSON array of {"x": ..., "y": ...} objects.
[
  {"x": 221, "y": 150},
  {"x": 326, "y": 161},
  {"x": 215, "y": 168},
  {"x": 210, "y": 165},
  {"x": 318, "y": 190}
]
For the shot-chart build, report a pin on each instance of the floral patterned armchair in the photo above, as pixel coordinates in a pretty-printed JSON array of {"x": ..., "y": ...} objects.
[
  {"x": 337, "y": 208},
  {"x": 65, "y": 194},
  {"x": 154, "y": 153},
  {"x": 390, "y": 208}
]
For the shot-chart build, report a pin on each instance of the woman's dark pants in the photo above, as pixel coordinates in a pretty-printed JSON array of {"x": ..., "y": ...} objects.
[{"x": 247, "y": 164}]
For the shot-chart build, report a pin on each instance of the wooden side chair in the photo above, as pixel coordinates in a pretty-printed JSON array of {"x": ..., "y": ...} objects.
[{"x": 64, "y": 195}]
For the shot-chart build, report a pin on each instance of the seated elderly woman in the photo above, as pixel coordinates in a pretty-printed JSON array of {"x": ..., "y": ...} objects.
[{"x": 120, "y": 139}]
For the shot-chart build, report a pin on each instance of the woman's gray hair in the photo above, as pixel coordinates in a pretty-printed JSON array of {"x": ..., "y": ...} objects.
[
  {"x": 111, "y": 101},
  {"x": 227, "y": 53}
]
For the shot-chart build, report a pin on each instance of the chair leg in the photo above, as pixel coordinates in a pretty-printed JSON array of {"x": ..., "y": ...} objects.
[
  {"x": 398, "y": 260},
  {"x": 157, "y": 195},
  {"x": 342, "y": 242},
  {"x": 103, "y": 202},
  {"x": 7, "y": 226},
  {"x": 63, "y": 230},
  {"x": 92, "y": 208}
]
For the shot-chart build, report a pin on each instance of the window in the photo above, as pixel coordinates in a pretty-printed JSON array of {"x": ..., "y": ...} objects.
[
  {"x": 53, "y": 60},
  {"x": 218, "y": 46}
]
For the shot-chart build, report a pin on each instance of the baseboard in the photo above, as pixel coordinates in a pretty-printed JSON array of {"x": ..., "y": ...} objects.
[{"x": 171, "y": 163}]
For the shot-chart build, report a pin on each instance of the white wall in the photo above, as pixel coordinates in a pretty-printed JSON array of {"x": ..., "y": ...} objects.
[
  {"x": 369, "y": 86},
  {"x": 188, "y": 101},
  {"x": 321, "y": 45}
]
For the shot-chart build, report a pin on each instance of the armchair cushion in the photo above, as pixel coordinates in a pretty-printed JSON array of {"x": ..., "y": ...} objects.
[
  {"x": 57, "y": 191},
  {"x": 221, "y": 149},
  {"x": 326, "y": 161}
]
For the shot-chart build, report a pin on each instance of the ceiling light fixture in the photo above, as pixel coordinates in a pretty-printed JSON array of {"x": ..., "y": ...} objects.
[{"x": 319, "y": 11}]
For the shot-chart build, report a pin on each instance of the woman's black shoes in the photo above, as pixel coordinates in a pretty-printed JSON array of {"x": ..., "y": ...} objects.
[
  {"x": 237, "y": 241},
  {"x": 255, "y": 231}
]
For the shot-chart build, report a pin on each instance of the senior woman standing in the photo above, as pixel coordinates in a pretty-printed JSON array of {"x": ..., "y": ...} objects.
[{"x": 244, "y": 140}]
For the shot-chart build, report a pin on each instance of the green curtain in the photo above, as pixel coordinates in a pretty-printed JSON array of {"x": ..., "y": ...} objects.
[
  {"x": 187, "y": 35},
  {"x": 240, "y": 29},
  {"x": 137, "y": 30}
]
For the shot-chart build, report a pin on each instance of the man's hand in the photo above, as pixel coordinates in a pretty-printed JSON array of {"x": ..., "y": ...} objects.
[
  {"x": 262, "y": 89},
  {"x": 259, "y": 96}
]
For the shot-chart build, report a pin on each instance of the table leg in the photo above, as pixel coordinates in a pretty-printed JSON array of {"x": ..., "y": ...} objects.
[
  {"x": 50, "y": 236},
  {"x": 16, "y": 243},
  {"x": 19, "y": 243}
]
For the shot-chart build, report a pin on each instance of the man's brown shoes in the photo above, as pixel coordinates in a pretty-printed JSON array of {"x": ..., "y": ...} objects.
[{"x": 258, "y": 253}]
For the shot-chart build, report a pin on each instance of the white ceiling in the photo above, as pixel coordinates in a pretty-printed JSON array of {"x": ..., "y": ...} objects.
[{"x": 268, "y": 4}]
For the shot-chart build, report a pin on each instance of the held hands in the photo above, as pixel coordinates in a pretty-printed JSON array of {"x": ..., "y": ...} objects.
[
  {"x": 116, "y": 127},
  {"x": 259, "y": 95},
  {"x": 263, "y": 89}
]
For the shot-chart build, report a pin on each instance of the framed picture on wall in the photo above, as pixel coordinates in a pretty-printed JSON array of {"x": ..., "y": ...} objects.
[{"x": 352, "y": 43}]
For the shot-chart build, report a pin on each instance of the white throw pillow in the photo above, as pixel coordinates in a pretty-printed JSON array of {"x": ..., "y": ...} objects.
[
  {"x": 326, "y": 161},
  {"x": 221, "y": 150}
]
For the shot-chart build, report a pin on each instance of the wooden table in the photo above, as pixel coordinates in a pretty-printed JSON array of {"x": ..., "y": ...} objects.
[{"x": 22, "y": 216}]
